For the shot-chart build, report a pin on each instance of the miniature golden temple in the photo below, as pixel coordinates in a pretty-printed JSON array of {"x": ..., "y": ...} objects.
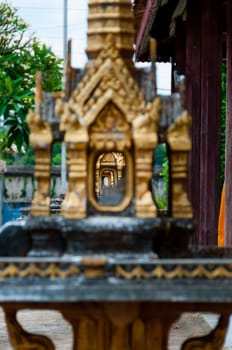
[{"x": 110, "y": 131}]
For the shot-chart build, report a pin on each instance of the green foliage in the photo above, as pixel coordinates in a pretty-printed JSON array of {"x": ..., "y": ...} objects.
[
  {"x": 161, "y": 160},
  {"x": 56, "y": 154},
  {"x": 12, "y": 30},
  {"x": 161, "y": 201},
  {"x": 223, "y": 125},
  {"x": 160, "y": 154},
  {"x": 21, "y": 56},
  {"x": 26, "y": 156},
  {"x": 165, "y": 173}
]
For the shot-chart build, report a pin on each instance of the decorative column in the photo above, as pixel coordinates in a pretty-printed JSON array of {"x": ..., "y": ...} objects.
[
  {"x": 41, "y": 141},
  {"x": 76, "y": 138},
  {"x": 98, "y": 189},
  {"x": 145, "y": 139},
  {"x": 178, "y": 139}
]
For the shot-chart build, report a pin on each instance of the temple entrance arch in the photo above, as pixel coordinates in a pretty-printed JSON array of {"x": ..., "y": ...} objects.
[
  {"x": 109, "y": 178},
  {"x": 110, "y": 167}
]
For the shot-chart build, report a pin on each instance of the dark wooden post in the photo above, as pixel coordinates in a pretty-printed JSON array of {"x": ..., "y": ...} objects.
[
  {"x": 228, "y": 167},
  {"x": 203, "y": 70},
  {"x": 193, "y": 74}
]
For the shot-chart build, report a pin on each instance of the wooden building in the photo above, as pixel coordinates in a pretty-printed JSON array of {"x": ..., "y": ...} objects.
[{"x": 197, "y": 37}]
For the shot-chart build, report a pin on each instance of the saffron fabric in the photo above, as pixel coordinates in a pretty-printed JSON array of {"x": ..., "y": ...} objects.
[{"x": 221, "y": 220}]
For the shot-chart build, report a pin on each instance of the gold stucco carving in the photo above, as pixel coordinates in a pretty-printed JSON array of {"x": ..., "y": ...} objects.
[
  {"x": 110, "y": 170},
  {"x": 111, "y": 115},
  {"x": 115, "y": 18},
  {"x": 76, "y": 138},
  {"x": 41, "y": 141},
  {"x": 179, "y": 141},
  {"x": 127, "y": 186},
  {"x": 110, "y": 131},
  {"x": 145, "y": 132},
  {"x": 47, "y": 270},
  {"x": 94, "y": 267},
  {"x": 106, "y": 113},
  {"x": 178, "y": 271}
]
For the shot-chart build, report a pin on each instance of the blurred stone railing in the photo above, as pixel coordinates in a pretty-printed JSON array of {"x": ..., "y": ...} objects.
[{"x": 18, "y": 186}]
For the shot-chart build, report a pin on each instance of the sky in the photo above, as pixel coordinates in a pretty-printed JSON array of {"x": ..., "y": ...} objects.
[{"x": 45, "y": 18}]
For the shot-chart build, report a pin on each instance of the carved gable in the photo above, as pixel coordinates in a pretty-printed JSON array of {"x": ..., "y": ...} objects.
[
  {"x": 110, "y": 130},
  {"x": 109, "y": 80}
]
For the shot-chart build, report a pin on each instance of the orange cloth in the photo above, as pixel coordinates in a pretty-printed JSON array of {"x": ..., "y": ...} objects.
[{"x": 221, "y": 220}]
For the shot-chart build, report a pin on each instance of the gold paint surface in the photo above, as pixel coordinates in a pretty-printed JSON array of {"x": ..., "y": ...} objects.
[
  {"x": 178, "y": 139},
  {"x": 47, "y": 270},
  {"x": 179, "y": 271},
  {"x": 108, "y": 113},
  {"x": 89, "y": 267}
]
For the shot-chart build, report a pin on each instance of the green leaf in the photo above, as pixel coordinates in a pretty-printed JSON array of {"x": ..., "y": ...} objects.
[
  {"x": 20, "y": 59},
  {"x": 8, "y": 84},
  {"x": 3, "y": 109}
]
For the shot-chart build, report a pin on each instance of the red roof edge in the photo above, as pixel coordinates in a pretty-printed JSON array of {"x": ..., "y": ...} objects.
[{"x": 143, "y": 26}]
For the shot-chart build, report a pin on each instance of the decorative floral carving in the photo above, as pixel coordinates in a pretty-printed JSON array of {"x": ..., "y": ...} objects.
[
  {"x": 110, "y": 131},
  {"x": 14, "y": 187}
]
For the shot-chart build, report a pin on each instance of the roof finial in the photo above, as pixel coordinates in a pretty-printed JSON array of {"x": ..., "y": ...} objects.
[{"x": 113, "y": 17}]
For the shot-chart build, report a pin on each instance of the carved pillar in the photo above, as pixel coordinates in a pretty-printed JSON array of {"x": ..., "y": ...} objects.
[
  {"x": 117, "y": 326},
  {"x": 119, "y": 175},
  {"x": 145, "y": 139},
  {"x": 157, "y": 322},
  {"x": 145, "y": 206},
  {"x": 179, "y": 142},
  {"x": 121, "y": 316},
  {"x": 97, "y": 184},
  {"x": 74, "y": 204},
  {"x": 120, "y": 325},
  {"x": 76, "y": 138},
  {"x": 91, "y": 328},
  {"x": 41, "y": 140}
]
